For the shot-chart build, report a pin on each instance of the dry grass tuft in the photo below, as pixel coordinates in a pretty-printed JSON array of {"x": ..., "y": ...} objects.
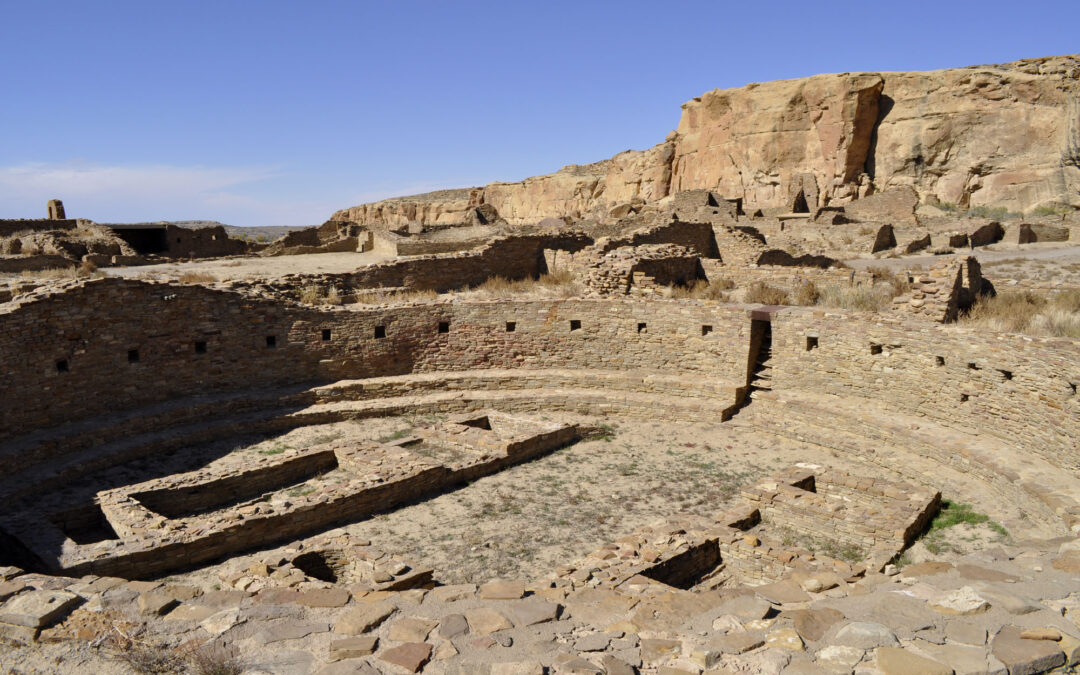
[
  {"x": 762, "y": 293},
  {"x": 319, "y": 295},
  {"x": 559, "y": 283},
  {"x": 1049, "y": 314},
  {"x": 863, "y": 297},
  {"x": 704, "y": 290}
]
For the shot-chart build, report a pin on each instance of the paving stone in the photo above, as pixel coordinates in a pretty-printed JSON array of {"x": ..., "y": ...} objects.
[
  {"x": 962, "y": 601},
  {"x": 221, "y": 621},
  {"x": 444, "y": 651},
  {"x": 840, "y": 657},
  {"x": 452, "y": 625},
  {"x": 353, "y": 647},
  {"x": 926, "y": 569},
  {"x": 579, "y": 666},
  {"x": 143, "y": 586},
  {"x": 455, "y": 592},
  {"x": 411, "y": 629},
  {"x": 976, "y": 573},
  {"x": 155, "y": 604},
  {"x": 865, "y": 635},
  {"x": 324, "y": 597},
  {"x": 597, "y": 642},
  {"x": 615, "y": 666},
  {"x": 290, "y": 629},
  {"x": 277, "y": 596},
  {"x": 189, "y": 612},
  {"x": 412, "y": 656},
  {"x": 746, "y": 607},
  {"x": 813, "y": 623},
  {"x": 964, "y": 660},
  {"x": 485, "y": 620},
  {"x": 180, "y": 592},
  {"x": 1025, "y": 657},
  {"x": 222, "y": 599},
  {"x": 782, "y": 592},
  {"x": 502, "y": 590},
  {"x": 897, "y": 661},
  {"x": 24, "y": 635},
  {"x": 348, "y": 668},
  {"x": 736, "y": 643},
  {"x": 657, "y": 649},
  {"x": 1010, "y": 602},
  {"x": 531, "y": 611},
  {"x": 363, "y": 618},
  {"x": 10, "y": 588},
  {"x": 966, "y": 633},
  {"x": 785, "y": 638},
  {"x": 37, "y": 609}
]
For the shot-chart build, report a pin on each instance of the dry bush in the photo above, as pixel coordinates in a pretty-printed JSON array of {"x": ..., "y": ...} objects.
[
  {"x": 197, "y": 278},
  {"x": 805, "y": 293},
  {"x": 898, "y": 282},
  {"x": 214, "y": 661},
  {"x": 704, "y": 290},
  {"x": 863, "y": 297},
  {"x": 762, "y": 293},
  {"x": 559, "y": 282},
  {"x": 50, "y": 273},
  {"x": 1050, "y": 314},
  {"x": 383, "y": 296}
]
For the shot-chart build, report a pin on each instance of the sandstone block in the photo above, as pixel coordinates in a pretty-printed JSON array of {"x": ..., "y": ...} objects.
[
  {"x": 412, "y": 656},
  {"x": 37, "y": 609},
  {"x": 363, "y": 618}
]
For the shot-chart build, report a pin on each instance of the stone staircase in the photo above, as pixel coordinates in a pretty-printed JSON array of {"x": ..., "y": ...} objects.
[{"x": 761, "y": 379}]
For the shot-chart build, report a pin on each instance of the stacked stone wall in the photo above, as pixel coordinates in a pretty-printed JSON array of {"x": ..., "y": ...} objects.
[
  {"x": 1019, "y": 388},
  {"x": 109, "y": 345}
]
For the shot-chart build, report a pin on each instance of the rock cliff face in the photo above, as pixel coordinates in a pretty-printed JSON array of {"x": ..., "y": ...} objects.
[{"x": 1002, "y": 135}]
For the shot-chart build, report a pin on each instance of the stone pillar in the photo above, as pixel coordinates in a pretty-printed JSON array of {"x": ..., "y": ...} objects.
[{"x": 56, "y": 210}]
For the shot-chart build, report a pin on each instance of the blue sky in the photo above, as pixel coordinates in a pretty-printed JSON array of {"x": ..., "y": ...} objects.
[{"x": 278, "y": 113}]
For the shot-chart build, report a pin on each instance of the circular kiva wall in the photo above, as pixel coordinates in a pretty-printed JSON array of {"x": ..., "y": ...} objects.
[{"x": 92, "y": 366}]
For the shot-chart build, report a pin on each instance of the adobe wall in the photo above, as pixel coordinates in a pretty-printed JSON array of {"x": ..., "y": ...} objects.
[{"x": 1019, "y": 388}]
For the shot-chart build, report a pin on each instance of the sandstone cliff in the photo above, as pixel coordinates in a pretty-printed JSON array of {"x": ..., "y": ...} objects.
[{"x": 1001, "y": 135}]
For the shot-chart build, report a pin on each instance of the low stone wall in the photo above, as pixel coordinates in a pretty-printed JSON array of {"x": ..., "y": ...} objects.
[
  {"x": 34, "y": 263},
  {"x": 1019, "y": 388},
  {"x": 10, "y": 226}
]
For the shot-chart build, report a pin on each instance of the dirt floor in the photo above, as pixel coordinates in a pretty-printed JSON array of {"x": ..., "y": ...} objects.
[
  {"x": 253, "y": 266},
  {"x": 532, "y": 518}
]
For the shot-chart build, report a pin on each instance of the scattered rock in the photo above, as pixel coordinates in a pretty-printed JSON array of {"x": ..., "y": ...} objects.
[
  {"x": 865, "y": 635},
  {"x": 896, "y": 661},
  {"x": 412, "y": 656}
]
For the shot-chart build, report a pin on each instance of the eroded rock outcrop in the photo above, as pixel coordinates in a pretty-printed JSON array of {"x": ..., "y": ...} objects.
[{"x": 1000, "y": 135}]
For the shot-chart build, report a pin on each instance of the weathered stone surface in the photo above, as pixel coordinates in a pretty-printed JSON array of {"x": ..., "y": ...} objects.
[
  {"x": 782, "y": 592},
  {"x": 746, "y": 607},
  {"x": 785, "y": 638},
  {"x": 411, "y": 629},
  {"x": 896, "y": 661},
  {"x": 502, "y": 590},
  {"x": 1025, "y": 657},
  {"x": 531, "y": 611},
  {"x": 962, "y": 601},
  {"x": 154, "y": 604},
  {"x": 813, "y": 623},
  {"x": 412, "y": 656},
  {"x": 864, "y": 635},
  {"x": 37, "y": 609},
  {"x": 967, "y": 633},
  {"x": 363, "y": 618},
  {"x": 452, "y": 625},
  {"x": 324, "y": 597},
  {"x": 485, "y": 620},
  {"x": 840, "y": 657},
  {"x": 353, "y": 647}
]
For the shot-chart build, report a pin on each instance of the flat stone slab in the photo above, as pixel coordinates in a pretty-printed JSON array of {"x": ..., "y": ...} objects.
[
  {"x": 532, "y": 611},
  {"x": 411, "y": 629},
  {"x": 485, "y": 620},
  {"x": 747, "y": 607},
  {"x": 1025, "y": 657},
  {"x": 324, "y": 597},
  {"x": 291, "y": 629},
  {"x": 37, "y": 609},
  {"x": 812, "y": 624},
  {"x": 926, "y": 569},
  {"x": 737, "y": 643},
  {"x": 976, "y": 573},
  {"x": 782, "y": 592},
  {"x": 452, "y": 626},
  {"x": 412, "y": 656},
  {"x": 353, "y": 647},
  {"x": 962, "y": 601},
  {"x": 189, "y": 612},
  {"x": 363, "y": 618},
  {"x": 865, "y": 635},
  {"x": 896, "y": 661},
  {"x": 965, "y": 633}
]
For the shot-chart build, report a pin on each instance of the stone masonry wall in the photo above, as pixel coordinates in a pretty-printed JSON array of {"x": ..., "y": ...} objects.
[
  {"x": 109, "y": 345},
  {"x": 1019, "y": 388}
]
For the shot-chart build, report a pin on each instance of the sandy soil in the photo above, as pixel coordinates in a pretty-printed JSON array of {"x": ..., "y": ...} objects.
[{"x": 253, "y": 266}]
